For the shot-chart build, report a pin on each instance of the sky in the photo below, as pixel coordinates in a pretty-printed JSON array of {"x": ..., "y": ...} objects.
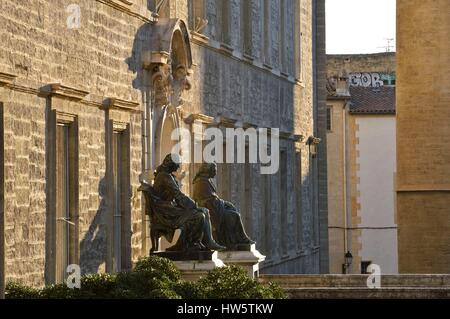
[{"x": 360, "y": 26}]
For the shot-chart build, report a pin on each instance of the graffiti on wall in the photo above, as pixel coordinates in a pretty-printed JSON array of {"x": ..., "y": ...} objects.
[
  {"x": 373, "y": 79},
  {"x": 366, "y": 79}
]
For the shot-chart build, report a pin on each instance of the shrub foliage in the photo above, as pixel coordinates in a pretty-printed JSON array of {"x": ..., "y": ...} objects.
[{"x": 154, "y": 278}]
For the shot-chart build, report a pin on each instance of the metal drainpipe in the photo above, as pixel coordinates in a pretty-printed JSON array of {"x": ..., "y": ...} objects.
[{"x": 348, "y": 212}]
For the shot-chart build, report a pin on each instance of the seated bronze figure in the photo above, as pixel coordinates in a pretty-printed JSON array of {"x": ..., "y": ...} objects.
[
  {"x": 226, "y": 220},
  {"x": 170, "y": 209}
]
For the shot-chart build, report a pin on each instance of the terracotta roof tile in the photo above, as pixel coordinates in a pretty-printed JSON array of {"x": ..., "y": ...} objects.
[{"x": 370, "y": 100}]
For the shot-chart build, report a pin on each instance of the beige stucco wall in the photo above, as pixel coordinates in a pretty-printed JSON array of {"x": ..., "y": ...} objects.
[{"x": 376, "y": 158}]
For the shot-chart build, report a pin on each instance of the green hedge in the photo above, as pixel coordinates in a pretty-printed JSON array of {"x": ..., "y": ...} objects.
[{"x": 155, "y": 278}]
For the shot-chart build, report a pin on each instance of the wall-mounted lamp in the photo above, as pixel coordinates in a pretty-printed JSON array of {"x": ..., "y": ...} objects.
[{"x": 348, "y": 258}]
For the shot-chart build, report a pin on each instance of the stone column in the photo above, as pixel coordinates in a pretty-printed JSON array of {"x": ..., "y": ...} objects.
[{"x": 423, "y": 136}]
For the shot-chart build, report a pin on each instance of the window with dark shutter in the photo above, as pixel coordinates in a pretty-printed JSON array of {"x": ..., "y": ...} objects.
[
  {"x": 65, "y": 190},
  {"x": 121, "y": 202}
]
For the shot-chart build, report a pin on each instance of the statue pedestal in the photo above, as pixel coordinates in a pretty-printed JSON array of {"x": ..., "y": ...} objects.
[
  {"x": 247, "y": 259},
  {"x": 193, "y": 265}
]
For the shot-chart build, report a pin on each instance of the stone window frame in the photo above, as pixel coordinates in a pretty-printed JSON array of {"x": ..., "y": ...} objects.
[
  {"x": 225, "y": 17},
  {"x": 60, "y": 118},
  {"x": 60, "y": 100},
  {"x": 299, "y": 198},
  {"x": 246, "y": 200},
  {"x": 119, "y": 127},
  {"x": 298, "y": 36},
  {"x": 267, "y": 40},
  {"x": 247, "y": 28},
  {"x": 282, "y": 37},
  {"x": 266, "y": 181},
  {"x": 284, "y": 208}
]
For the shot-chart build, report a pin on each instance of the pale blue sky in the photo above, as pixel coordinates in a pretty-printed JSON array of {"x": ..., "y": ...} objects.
[{"x": 359, "y": 26}]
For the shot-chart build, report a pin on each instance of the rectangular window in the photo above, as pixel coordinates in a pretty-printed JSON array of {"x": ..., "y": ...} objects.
[
  {"x": 121, "y": 202},
  {"x": 246, "y": 27},
  {"x": 283, "y": 201},
  {"x": 266, "y": 24},
  {"x": 247, "y": 200},
  {"x": 225, "y": 170},
  {"x": 329, "y": 118},
  {"x": 298, "y": 199},
  {"x": 66, "y": 200},
  {"x": 225, "y": 20},
  {"x": 298, "y": 40},
  {"x": 282, "y": 35},
  {"x": 267, "y": 214}
]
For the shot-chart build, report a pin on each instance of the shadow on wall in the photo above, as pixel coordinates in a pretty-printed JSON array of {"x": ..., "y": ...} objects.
[
  {"x": 141, "y": 44},
  {"x": 93, "y": 245}
]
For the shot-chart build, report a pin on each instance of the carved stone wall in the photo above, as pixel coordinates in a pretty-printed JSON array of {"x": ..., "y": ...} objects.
[{"x": 100, "y": 47}]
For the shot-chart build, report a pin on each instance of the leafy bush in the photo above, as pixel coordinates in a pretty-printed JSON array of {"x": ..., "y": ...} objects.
[
  {"x": 155, "y": 278},
  {"x": 232, "y": 282},
  {"x": 59, "y": 291},
  {"x": 158, "y": 267},
  {"x": 16, "y": 290},
  {"x": 144, "y": 284},
  {"x": 188, "y": 290}
]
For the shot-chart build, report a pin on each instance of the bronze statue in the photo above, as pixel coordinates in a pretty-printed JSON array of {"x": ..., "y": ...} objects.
[
  {"x": 170, "y": 209},
  {"x": 226, "y": 220}
]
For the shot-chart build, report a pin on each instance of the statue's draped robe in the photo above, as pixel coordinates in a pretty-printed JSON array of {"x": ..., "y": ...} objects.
[
  {"x": 174, "y": 210},
  {"x": 225, "y": 219}
]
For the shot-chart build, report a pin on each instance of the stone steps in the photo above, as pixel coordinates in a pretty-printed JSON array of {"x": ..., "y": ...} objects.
[
  {"x": 366, "y": 293},
  {"x": 355, "y": 286}
]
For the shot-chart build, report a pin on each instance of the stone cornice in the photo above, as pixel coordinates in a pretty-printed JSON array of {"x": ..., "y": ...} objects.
[
  {"x": 228, "y": 122},
  {"x": 199, "y": 38},
  {"x": 125, "y": 6},
  {"x": 191, "y": 118},
  {"x": 6, "y": 78},
  {"x": 289, "y": 136},
  {"x": 63, "y": 91},
  {"x": 297, "y": 137},
  {"x": 225, "y": 121},
  {"x": 127, "y": 2},
  {"x": 116, "y": 103}
]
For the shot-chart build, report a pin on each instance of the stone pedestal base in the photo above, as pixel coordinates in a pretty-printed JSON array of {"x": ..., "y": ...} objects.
[
  {"x": 248, "y": 259},
  {"x": 192, "y": 270}
]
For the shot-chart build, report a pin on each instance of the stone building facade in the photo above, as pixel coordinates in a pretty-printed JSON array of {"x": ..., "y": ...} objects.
[
  {"x": 423, "y": 136},
  {"x": 382, "y": 63},
  {"x": 90, "y": 93}
]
